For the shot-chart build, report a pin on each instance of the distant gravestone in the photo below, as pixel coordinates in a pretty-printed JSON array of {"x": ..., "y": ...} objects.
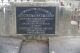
[{"x": 35, "y": 20}]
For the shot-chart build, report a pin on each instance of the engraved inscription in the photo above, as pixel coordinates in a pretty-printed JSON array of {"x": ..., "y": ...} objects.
[{"x": 35, "y": 20}]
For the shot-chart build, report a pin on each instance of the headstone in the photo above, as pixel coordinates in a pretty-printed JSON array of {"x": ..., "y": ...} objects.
[{"x": 35, "y": 20}]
